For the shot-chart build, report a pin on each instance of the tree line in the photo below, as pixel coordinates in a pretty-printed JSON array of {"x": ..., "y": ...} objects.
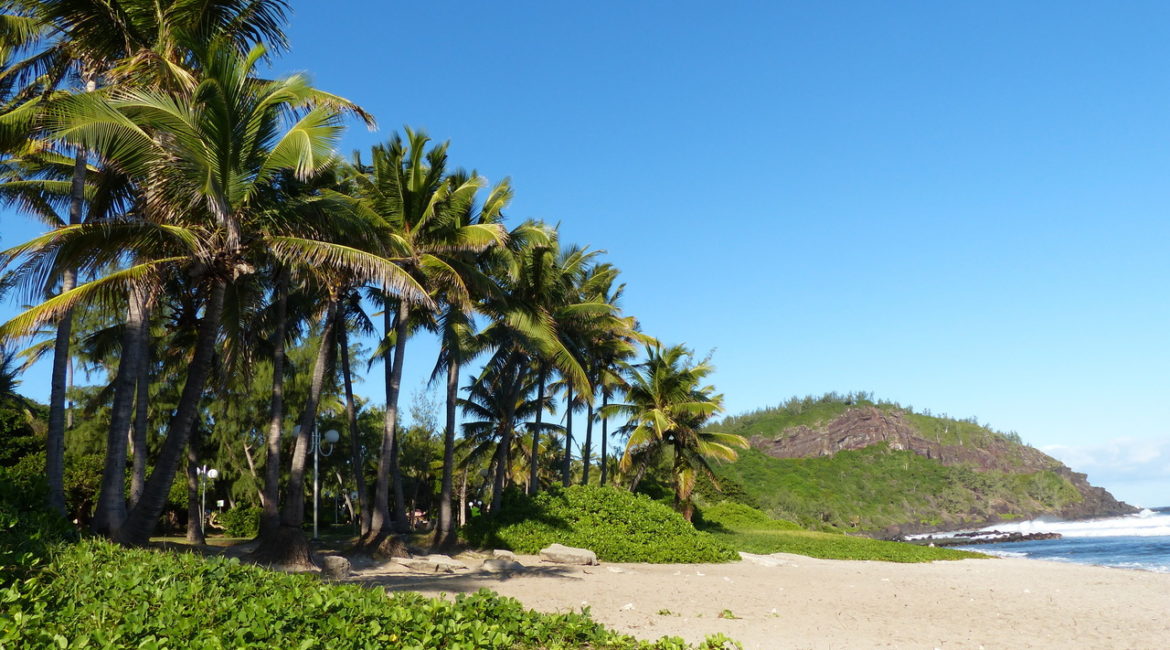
[{"x": 210, "y": 254}]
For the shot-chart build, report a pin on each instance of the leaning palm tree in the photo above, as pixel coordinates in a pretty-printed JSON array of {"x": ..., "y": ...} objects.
[
  {"x": 212, "y": 154},
  {"x": 667, "y": 405}
]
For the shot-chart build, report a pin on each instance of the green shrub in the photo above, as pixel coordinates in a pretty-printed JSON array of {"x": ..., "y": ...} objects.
[
  {"x": 27, "y": 528},
  {"x": 241, "y": 521},
  {"x": 95, "y": 594},
  {"x": 616, "y": 525}
]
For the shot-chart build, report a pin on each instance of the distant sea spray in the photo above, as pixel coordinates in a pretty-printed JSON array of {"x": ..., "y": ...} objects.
[{"x": 1139, "y": 541}]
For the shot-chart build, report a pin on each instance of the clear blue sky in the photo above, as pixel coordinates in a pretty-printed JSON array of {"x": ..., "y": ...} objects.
[{"x": 958, "y": 207}]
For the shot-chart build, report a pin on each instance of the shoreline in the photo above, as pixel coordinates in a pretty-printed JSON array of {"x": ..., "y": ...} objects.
[{"x": 792, "y": 601}]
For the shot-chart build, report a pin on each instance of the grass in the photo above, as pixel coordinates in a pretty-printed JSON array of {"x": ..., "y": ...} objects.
[
  {"x": 835, "y": 546},
  {"x": 751, "y": 531}
]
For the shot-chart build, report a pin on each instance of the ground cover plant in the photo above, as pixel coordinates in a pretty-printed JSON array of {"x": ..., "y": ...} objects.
[
  {"x": 96, "y": 594},
  {"x": 749, "y": 530},
  {"x": 617, "y": 525}
]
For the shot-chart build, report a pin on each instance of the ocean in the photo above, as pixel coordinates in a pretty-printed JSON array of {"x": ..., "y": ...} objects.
[{"x": 1139, "y": 541}]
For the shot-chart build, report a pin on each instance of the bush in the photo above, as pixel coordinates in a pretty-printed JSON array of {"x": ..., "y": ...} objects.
[
  {"x": 615, "y": 524},
  {"x": 101, "y": 595},
  {"x": 243, "y": 521},
  {"x": 27, "y": 528}
]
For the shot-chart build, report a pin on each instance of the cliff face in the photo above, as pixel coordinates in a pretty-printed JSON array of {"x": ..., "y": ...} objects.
[{"x": 951, "y": 444}]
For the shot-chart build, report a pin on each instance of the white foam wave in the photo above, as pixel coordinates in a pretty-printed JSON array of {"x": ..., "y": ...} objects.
[{"x": 1146, "y": 523}]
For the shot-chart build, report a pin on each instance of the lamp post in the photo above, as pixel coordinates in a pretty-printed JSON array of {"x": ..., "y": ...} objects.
[
  {"x": 331, "y": 437},
  {"x": 205, "y": 474}
]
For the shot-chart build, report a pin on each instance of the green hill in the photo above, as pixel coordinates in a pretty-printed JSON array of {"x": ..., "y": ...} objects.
[{"x": 848, "y": 462}]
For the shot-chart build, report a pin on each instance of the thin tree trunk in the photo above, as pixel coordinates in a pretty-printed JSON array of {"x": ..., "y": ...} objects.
[
  {"x": 498, "y": 462},
  {"x": 463, "y": 499},
  {"x": 141, "y": 520},
  {"x": 388, "y": 468},
  {"x": 354, "y": 435},
  {"x": 111, "y": 507},
  {"x": 195, "y": 533},
  {"x": 55, "y": 441},
  {"x": 293, "y": 513},
  {"x": 588, "y": 444},
  {"x": 445, "y": 532},
  {"x": 566, "y": 464},
  {"x": 604, "y": 437},
  {"x": 534, "y": 471},
  {"x": 138, "y": 441},
  {"x": 270, "y": 499}
]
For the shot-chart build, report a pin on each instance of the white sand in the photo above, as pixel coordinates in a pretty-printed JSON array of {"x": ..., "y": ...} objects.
[{"x": 808, "y": 603}]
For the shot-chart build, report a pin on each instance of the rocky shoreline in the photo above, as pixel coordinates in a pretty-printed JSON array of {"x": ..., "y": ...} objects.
[{"x": 981, "y": 537}]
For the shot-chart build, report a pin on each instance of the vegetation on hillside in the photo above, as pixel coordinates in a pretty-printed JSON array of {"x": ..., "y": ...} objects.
[{"x": 878, "y": 488}]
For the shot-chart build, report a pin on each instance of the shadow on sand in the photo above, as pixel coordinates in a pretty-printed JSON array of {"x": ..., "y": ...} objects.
[{"x": 462, "y": 582}]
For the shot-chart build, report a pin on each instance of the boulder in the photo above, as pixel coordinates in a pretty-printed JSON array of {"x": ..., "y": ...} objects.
[
  {"x": 432, "y": 564},
  {"x": 559, "y": 554},
  {"x": 334, "y": 567},
  {"x": 504, "y": 555},
  {"x": 501, "y": 565}
]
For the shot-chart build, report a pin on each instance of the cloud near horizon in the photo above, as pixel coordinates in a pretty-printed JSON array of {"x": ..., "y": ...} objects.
[{"x": 1136, "y": 470}]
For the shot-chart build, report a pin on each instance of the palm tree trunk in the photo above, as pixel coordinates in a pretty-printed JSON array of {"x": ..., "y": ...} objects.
[
  {"x": 55, "y": 440},
  {"x": 445, "y": 532},
  {"x": 501, "y": 462},
  {"x": 270, "y": 499},
  {"x": 293, "y": 513},
  {"x": 195, "y": 533},
  {"x": 287, "y": 544},
  {"x": 604, "y": 438},
  {"x": 534, "y": 472},
  {"x": 588, "y": 444},
  {"x": 141, "y": 520},
  {"x": 388, "y": 467},
  {"x": 566, "y": 464},
  {"x": 354, "y": 435},
  {"x": 111, "y": 508},
  {"x": 141, "y": 410}
]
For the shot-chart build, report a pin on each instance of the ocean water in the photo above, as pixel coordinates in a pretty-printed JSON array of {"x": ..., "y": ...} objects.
[{"x": 1139, "y": 541}]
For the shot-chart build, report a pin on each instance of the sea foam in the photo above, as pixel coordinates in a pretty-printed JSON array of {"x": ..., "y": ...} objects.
[{"x": 1147, "y": 523}]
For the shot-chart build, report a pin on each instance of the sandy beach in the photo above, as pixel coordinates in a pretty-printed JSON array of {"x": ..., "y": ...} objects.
[{"x": 790, "y": 601}]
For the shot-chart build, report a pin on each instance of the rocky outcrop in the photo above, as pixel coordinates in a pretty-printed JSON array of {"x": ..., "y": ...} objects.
[
  {"x": 865, "y": 426},
  {"x": 860, "y": 427}
]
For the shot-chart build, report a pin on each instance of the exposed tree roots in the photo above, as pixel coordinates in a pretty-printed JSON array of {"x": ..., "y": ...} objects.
[{"x": 286, "y": 547}]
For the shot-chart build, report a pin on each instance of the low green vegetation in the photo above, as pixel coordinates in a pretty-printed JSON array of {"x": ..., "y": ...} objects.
[
  {"x": 55, "y": 592},
  {"x": 95, "y": 594},
  {"x": 615, "y": 524},
  {"x": 752, "y": 531},
  {"x": 875, "y": 488}
]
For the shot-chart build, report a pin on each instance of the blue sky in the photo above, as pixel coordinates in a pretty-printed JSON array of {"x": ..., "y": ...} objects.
[{"x": 958, "y": 207}]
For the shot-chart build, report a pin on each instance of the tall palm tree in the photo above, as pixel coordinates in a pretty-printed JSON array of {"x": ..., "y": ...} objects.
[
  {"x": 125, "y": 43},
  {"x": 407, "y": 188},
  {"x": 668, "y": 404},
  {"x": 456, "y": 328},
  {"x": 212, "y": 153}
]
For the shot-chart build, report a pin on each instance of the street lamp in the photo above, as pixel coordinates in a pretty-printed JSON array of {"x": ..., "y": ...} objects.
[
  {"x": 331, "y": 437},
  {"x": 205, "y": 475}
]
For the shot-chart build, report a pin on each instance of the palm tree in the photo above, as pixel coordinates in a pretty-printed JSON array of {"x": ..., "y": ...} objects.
[
  {"x": 131, "y": 40},
  {"x": 456, "y": 328},
  {"x": 406, "y": 187},
  {"x": 667, "y": 406},
  {"x": 210, "y": 194}
]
